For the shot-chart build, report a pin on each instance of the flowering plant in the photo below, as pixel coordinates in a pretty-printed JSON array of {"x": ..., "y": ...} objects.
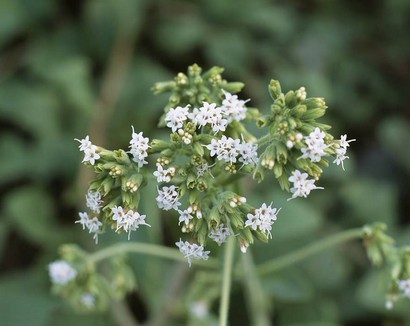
[{"x": 197, "y": 175}]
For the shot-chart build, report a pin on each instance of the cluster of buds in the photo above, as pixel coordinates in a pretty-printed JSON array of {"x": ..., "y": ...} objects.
[
  {"x": 296, "y": 144},
  {"x": 76, "y": 278}
]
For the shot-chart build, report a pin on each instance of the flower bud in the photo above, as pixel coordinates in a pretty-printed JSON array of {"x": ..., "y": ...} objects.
[{"x": 274, "y": 89}]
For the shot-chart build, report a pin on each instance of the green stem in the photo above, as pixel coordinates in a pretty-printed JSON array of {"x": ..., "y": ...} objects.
[
  {"x": 256, "y": 299},
  {"x": 148, "y": 249},
  {"x": 298, "y": 255},
  {"x": 226, "y": 281}
]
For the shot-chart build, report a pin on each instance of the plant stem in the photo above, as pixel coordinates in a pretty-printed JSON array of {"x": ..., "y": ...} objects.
[
  {"x": 147, "y": 249},
  {"x": 298, "y": 255},
  {"x": 258, "y": 303},
  {"x": 226, "y": 281}
]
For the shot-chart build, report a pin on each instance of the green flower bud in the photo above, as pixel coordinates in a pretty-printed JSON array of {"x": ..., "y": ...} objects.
[
  {"x": 274, "y": 89},
  {"x": 313, "y": 114},
  {"x": 162, "y": 87},
  {"x": 290, "y": 99},
  {"x": 277, "y": 170},
  {"x": 194, "y": 70},
  {"x": 233, "y": 87},
  {"x": 157, "y": 145},
  {"x": 299, "y": 110}
]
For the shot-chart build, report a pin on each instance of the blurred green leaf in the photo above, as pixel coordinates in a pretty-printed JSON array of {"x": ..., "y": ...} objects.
[
  {"x": 289, "y": 287},
  {"x": 31, "y": 211},
  {"x": 370, "y": 200}
]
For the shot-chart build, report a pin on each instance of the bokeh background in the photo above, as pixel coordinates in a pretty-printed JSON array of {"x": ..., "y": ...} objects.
[{"x": 72, "y": 68}]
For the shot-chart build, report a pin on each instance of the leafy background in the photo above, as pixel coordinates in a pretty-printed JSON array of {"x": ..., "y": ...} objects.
[{"x": 71, "y": 68}]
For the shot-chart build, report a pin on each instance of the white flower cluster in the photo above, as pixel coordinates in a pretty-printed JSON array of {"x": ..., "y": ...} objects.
[
  {"x": 138, "y": 147},
  {"x": 220, "y": 234},
  {"x": 93, "y": 201},
  {"x": 218, "y": 117},
  {"x": 263, "y": 219},
  {"x": 232, "y": 150},
  {"x": 192, "y": 251},
  {"x": 128, "y": 221},
  {"x": 168, "y": 198},
  {"x": 164, "y": 175},
  {"x": 302, "y": 186},
  {"x": 61, "y": 272},
  {"x": 90, "y": 150},
  {"x": 92, "y": 224},
  {"x": 176, "y": 117},
  {"x": 341, "y": 149},
  {"x": 404, "y": 286},
  {"x": 316, "y": 146}
]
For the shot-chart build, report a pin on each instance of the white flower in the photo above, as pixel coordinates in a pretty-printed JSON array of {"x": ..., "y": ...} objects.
[
  {"x": 262, "y": 219},
  {"x": 192, "y": 251},
  {"x": 92, "y": 224},
  {"x": 90, "y": 150},
  {"x": 88, "y": 300},
  {"x": 61, "y": 272},
  {"x": 341, "y": 149},
  {"x": 220, "y": 234},
  {"x": 164, "y": 175},
  {"x": 176, "y": 117},
  {"x": 233, "y": 108},
  {"x": 301, "y": 94},
  {"x": 127, "y": 221},
  {"x": 202, "y": 169},
  {"x": 315, "y": 146},
  {"x": 199, "y": 309},
  {"x": 248, "y": 153},
  {"x": 226, "y": 148},
  {"x": 93, "y": 199},
  {"x": 302, "y": 186},
  {"x": 138, "y": 147},
  {"x": 168, "y": 198},
  {"x": 209, "y": 114},
  {"x": 404, "y": 286},
  {"x": 185, "y": 215}
]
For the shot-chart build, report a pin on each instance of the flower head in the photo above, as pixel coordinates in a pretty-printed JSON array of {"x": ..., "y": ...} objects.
[
  {"x": 93, "y": 201},
  {"x": 302, "y": 186},
  {"x": 315, "y": 146},
  {"x": 127, "y": 221},
  {"x": 192, "y": 251},
  {"x": 220, "y": 234},
  {"x": 138, "y": 147},
  {"x": 176, "y": 117},
  {"x": 262, "y": 219},
  {"x": 168, "y": 198},
  {"x": 61, "y": 272},
  {"x": 90, "y": 150},
  {"x": 341, "y": 149},
  {"x": 233, "y": 108}
]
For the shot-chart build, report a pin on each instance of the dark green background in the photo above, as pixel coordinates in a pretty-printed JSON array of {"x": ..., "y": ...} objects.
[{"x": 72, "y": 68}]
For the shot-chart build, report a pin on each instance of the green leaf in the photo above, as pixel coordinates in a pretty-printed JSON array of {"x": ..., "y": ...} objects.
[
  {"x": 369, "y": 200},
  {"x": 31, "y": 211}
]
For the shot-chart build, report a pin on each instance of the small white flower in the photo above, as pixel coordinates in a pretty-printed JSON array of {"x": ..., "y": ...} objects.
[
  {"x": 233, "y": 108},
  {"x": 302, "y": 186},
  {"x": 185, "y": 216},
  {"x": 164, "y": 175},
  {"x": 168, "y": 198},
  {"x": 92, "y": 224},
  {"x": 315, "y": 146},
  {"x": 248, "y": 153},
  {"x": 227, "y": 149},
  {"x": 61, "y": 272},
  {"x": 93, "y": 199},
  {"x": 199, "y": 309},
  {"x": 404, "y": 286},
  {"x": 389, "y": 304},
  {"x": 176, "y": 117},
  {"x": 220, "y": 234},
  {"x": 88, "y": 300},
  {"x": 192, "y": 251},
  {"x": 138, "y": 147},
  {"x": 127, "y": 221},
  {"x": 262, "y": 219},
  {"x": 301, "y": 94},
  {"x": 90, "y": 150},
  {"x": 341, "y": 149}
]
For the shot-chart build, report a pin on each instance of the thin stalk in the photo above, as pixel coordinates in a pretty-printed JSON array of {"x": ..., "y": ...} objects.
[
  {"x": 298, "y": 255},
  {"x": 226, "y": 281},
  {"x": 148, "y": 249},
  {"x": 258, "y": 303}
]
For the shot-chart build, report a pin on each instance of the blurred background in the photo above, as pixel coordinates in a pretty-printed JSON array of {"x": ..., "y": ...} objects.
[{"x": 75, "y": 68}]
